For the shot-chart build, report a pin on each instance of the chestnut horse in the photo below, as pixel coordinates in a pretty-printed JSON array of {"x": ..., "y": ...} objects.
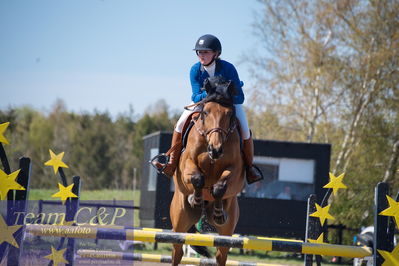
[{"x": 210, "y": 173}]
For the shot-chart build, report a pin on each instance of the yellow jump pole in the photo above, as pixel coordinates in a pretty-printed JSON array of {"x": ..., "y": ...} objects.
[
  {"x": 266, "y": 244},
  {"x": 111, "y": 255}
]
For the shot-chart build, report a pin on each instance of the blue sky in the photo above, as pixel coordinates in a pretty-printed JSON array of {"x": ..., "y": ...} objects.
[{"x": 108, "y": 54}]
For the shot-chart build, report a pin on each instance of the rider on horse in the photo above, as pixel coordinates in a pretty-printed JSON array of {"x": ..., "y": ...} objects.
[{"x": 208, "y": 49}]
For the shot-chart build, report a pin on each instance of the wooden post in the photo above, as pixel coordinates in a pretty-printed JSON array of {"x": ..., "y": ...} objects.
[
  {"x": 71, "y": 210},
  {"x": 311, "y": 227},
  {"x": 381, "y": 241},
  {"x": 18, "y": 205}
]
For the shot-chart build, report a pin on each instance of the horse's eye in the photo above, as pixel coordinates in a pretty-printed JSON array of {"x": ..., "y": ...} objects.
[{"x": 205, "y": 113}]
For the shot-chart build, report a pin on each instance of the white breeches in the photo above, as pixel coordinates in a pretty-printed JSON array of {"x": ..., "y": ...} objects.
[{"x": 239, "y": 113}]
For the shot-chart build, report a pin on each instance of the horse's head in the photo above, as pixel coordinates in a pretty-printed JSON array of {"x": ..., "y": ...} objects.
[{"x": 218, "y": 114}]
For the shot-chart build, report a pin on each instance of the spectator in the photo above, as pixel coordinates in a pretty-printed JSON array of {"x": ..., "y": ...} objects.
[{"x": 285, "y": 194}]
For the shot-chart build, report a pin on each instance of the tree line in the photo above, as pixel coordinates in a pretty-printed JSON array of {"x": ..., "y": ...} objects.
[
  {"x": 106, "y": 152},
  {"x": 328, "y": 71}
]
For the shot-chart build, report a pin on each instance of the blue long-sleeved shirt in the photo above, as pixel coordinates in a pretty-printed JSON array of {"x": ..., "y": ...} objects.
[{"x": 223, "y": 68}]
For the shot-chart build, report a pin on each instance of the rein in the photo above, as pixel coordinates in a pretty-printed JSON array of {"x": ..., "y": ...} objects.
[{"x": 187, "y": 107}]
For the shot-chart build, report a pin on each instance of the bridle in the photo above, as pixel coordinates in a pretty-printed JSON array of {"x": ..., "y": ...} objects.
[
  {"x": 225, "y": 133},
  {"x": 206, "y": 134}
]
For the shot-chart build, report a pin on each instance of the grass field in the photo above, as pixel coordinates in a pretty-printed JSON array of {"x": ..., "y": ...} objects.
[{"x": 249, "y": 255}]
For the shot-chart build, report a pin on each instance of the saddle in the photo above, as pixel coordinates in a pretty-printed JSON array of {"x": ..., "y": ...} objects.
[{"x": 187, "y": 127}]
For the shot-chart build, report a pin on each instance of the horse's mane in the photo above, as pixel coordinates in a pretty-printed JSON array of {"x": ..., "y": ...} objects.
[{"x": 220, "y": 90}]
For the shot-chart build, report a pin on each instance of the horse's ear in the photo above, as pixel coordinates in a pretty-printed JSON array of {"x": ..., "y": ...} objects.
[
  {"x": 208, "y": 86},
  {"x": 231, "y": 88}
]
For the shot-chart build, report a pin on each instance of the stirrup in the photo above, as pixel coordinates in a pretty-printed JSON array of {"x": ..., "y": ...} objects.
[{"x": 155, "y": 159}]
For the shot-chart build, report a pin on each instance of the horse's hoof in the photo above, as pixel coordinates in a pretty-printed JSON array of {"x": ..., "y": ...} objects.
[
  {"x": 220, "y": 219},
  {"x": 193, "y": 203},
  {"x": 219, "y": 189}
]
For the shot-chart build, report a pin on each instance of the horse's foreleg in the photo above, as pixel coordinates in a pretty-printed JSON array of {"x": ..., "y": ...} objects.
[
  {"x": 232, "y": 209},
  {"x": 192, "y": 175},
  {"x": 182, "y": 217},
  {"x": 218, "y": 191},
  {"x": 177, "y": 254},
  {"x": 198, "y": 182},
  {"x": 221, "y": 255}
]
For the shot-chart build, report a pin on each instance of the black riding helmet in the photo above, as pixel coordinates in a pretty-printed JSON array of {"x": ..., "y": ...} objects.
[{"x": 208, "y": 42}]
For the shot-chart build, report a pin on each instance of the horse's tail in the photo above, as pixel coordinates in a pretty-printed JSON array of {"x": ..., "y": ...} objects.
[{"x": 203, "y": 251}]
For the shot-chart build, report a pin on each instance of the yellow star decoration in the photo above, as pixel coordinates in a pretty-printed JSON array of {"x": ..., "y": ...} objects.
[
  {"x": 7, "y": 183},
  {"x": 393, "y": 210},
  {"x": 6, "y": 232},
  {"x": 3, "y": 128},
  {"x": 391, "y": 258},
  {"x": 57, "y": 256},
  {"x": 319, "y": 240},
  {"x": 336, "y": 183},
  {"x": 56, "y": 161},
  {"x": 322, "y": 213},
  {"x": 64, "y": 193}
]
